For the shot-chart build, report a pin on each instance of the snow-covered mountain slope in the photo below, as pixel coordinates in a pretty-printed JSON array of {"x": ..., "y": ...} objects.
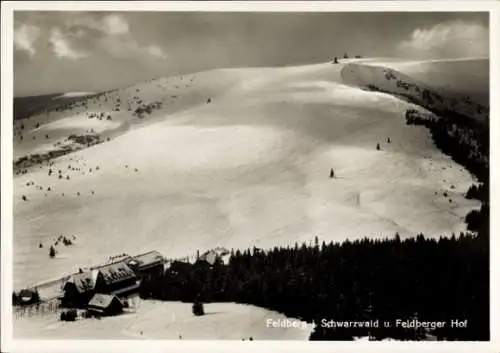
[
  {"x": 230, "y": 158},
  {"x": 466, "y": 77},
  {"x": 461, "y": 86}
]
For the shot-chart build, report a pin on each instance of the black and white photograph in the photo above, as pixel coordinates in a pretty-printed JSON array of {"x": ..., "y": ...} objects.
[{"x": 247, "y": 175}]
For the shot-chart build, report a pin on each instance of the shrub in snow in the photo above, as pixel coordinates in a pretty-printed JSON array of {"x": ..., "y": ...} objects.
[
  {"x": 198, "y": 309},
  {"x": 52, "y": 252},
  {"x": 69, "y": 315}
]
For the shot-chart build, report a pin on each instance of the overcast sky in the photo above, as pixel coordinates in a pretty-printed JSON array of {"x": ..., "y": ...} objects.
[{"x": 96, "y": 51}]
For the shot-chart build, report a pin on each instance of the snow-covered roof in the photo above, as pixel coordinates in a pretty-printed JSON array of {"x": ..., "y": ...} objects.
[
  {"x": 145, "y": 260},
  {"x": 84, "y": 282},
  {"x": 102, "y": 301},
  {"x": 116, "y": 272}
]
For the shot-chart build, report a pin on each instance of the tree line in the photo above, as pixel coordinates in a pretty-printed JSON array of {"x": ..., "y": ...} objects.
[
  {"x": 387, "y": 279},
  {"x": 467, "y": 142}
]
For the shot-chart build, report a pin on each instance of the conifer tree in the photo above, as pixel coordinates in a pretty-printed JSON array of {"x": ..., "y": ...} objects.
[{"x": 52, "y": 252}]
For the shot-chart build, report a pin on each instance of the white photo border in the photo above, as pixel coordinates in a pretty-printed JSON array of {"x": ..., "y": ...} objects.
[{"x": 8, "y": 344}]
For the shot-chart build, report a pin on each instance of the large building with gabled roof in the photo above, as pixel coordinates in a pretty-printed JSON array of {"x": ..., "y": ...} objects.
[
  {"x": 116, "y": 278},
  {"x": 119, "y": 278}
]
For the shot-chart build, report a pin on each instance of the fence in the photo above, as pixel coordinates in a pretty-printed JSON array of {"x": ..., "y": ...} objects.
[
  {"x": 53, "y": 306},
  {"x": 42, "y": 308}
]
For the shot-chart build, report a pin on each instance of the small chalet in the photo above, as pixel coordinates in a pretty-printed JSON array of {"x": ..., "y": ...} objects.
[
  {"x": 105, "y": 305},
  {"x": 147, "y": 264},
  {"x": 116, "y": 278},
  {"x": 27, "y": 296},
  {"x": 79, "y": 289}
]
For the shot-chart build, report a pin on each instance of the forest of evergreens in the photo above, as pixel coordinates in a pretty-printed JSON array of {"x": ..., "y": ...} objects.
[{"x": 428, "y": 279}]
